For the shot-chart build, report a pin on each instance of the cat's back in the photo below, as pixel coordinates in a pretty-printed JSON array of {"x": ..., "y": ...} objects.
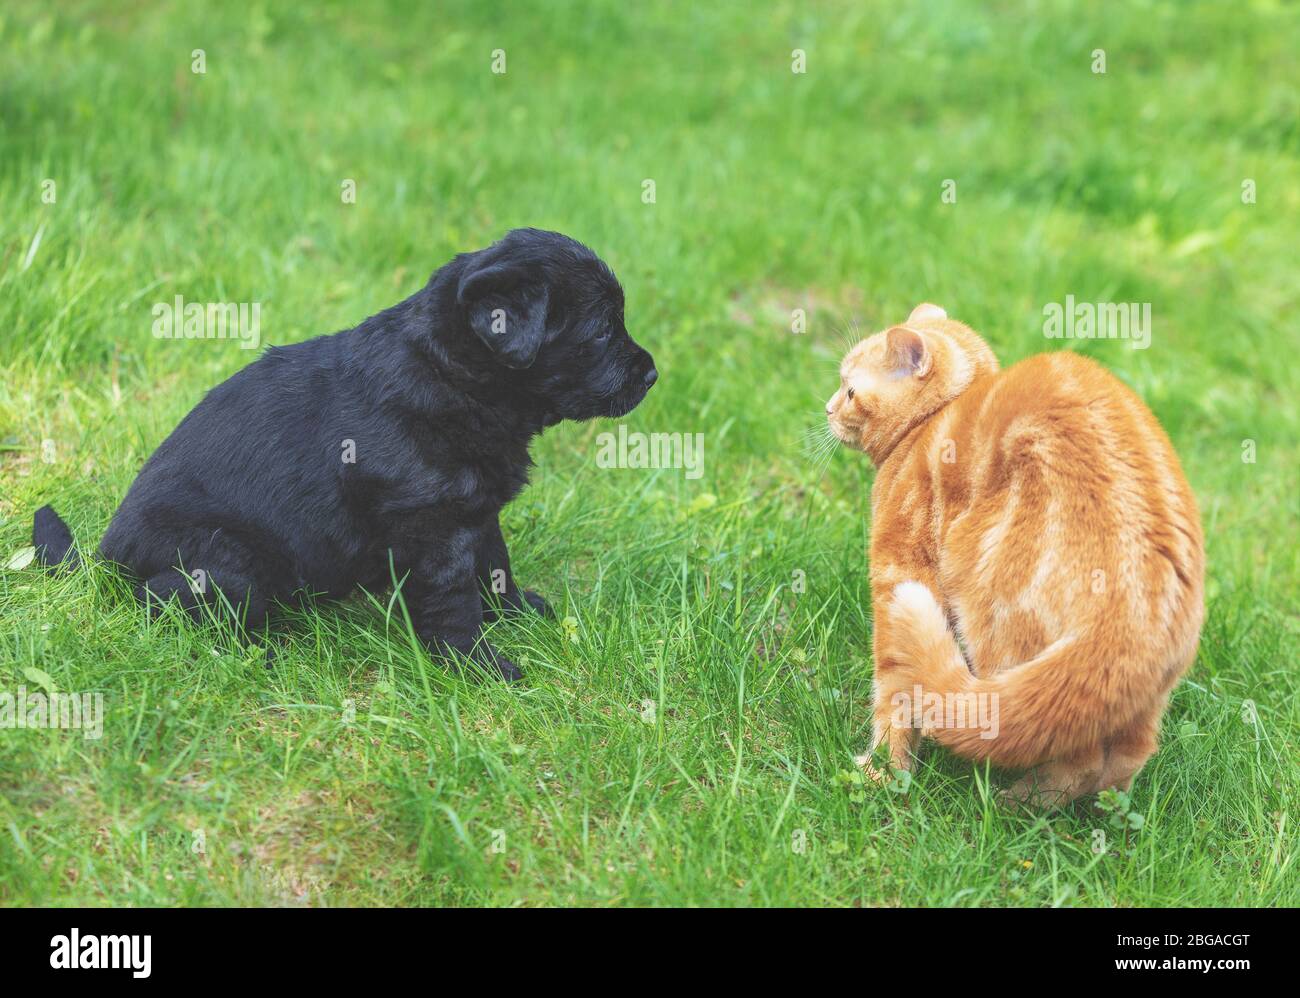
[
  {"x": 1073, "y": 497},
  {"x": 1063, "y": 415}
]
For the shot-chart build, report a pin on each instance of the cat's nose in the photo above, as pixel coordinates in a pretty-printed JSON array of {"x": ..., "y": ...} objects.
[{"x": 829, "y": 408}]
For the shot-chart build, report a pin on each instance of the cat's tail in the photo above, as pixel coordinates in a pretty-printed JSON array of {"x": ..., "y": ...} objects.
[
  {"x": 53, "y": 540},
  {"x": 1046, "y": 708}
]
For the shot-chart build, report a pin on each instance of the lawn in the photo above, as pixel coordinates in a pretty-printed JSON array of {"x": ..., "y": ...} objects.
[{"x": 687, "y": 729}]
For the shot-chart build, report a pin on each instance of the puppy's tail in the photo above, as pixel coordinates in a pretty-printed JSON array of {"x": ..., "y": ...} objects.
[
  {"x": 53, "y": 540},
  {"x": 1062, "y": 700}
]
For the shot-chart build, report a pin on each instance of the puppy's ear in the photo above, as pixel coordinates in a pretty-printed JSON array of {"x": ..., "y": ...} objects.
[{"x": 507, "y": 311}]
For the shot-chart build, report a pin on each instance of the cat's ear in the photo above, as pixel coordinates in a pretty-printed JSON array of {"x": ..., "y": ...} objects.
[
  {"x": 909, "y": 351},
  {"x": 925, "y": 312}
]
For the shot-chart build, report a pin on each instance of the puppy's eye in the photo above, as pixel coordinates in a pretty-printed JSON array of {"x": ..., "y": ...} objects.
[
  {"x": 850, "y": 393},
  {"x": 603, "y": 335}
]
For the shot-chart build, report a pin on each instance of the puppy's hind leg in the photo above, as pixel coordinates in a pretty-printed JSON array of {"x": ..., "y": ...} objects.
[
  {"x": 159, "y": 590},
  {"x": 218, "y": 579}
]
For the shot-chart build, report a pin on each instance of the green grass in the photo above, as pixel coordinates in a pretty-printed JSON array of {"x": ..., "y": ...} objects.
[{"x": 775, "y": 191}]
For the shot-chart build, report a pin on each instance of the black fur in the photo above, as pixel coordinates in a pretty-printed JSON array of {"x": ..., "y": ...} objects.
[
  {"x": 53, "y": 539},
  {"x": 440, "y": 394}
]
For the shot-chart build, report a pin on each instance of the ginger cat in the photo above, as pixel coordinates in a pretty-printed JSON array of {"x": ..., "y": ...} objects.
[{"x": 1036, "y": 557}]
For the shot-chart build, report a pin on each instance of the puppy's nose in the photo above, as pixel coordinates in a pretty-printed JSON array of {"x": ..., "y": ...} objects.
[{"x": 651, "y": 376}]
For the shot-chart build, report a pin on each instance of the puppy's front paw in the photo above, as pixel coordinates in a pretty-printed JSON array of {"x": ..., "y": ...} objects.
[
  {"x": 485, "y": 662},
  {"x": 539, "y": 604},
  {"x": 496, "y": 665},
  {"x": 510, "y": 672}
]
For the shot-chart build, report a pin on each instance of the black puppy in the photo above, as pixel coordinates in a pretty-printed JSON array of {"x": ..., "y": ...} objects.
[{"x": 401, "y": 439}]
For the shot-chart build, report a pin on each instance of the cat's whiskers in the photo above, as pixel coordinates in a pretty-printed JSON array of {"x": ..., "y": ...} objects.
[
  {"x": 819, "y": 447},
  {"x": 848, "y": 339}
]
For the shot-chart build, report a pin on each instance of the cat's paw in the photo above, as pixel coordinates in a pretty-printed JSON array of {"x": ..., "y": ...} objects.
[
  {"x": 869, "y": 769},
  {"x": 1028, "y": 795},
  {"x": 1014, "y": 799}
]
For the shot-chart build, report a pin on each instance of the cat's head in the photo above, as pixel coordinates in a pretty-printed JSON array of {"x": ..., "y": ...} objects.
[{"x": 892, "y": 381}]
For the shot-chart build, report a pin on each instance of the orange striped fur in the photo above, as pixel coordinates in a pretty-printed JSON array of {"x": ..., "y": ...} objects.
[{"x": 1033, "y": 541}]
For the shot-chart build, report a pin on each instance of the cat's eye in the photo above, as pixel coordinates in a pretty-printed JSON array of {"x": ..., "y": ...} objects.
[{"x": 850, "y": 393}]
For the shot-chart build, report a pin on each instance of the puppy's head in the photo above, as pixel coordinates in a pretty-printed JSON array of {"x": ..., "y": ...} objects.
[
  {"x": 892, "y": 381},
  {"x": 550, "y": 312}
]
